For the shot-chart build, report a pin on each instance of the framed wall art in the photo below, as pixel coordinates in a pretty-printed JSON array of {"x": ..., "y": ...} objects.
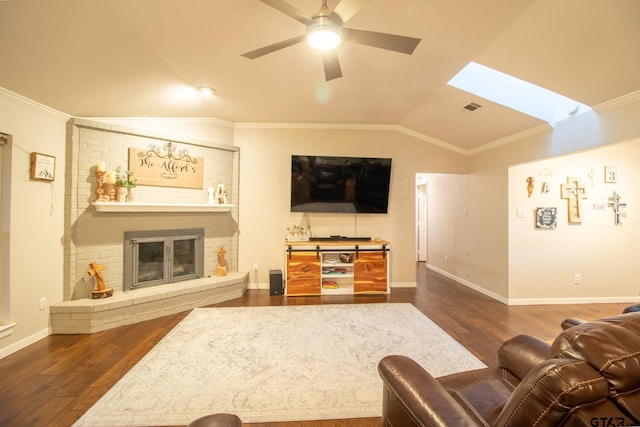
[
  {"x": 546, "y": 218},
  {"x": 43, "y": 167},
  {"x": 610, "y": 174}
]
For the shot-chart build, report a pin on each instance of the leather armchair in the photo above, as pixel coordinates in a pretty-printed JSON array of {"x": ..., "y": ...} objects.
[
  {"x": 217, "y": 420},
  {"x": 589, "y": 376},
  {"x": 573, "y": 321}
]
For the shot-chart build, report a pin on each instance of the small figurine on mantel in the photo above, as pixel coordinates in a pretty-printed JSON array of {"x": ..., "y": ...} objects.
[
  {"x": 221, "y": 269},
  {"x": 95, "y": 270},
  {"x": 221, "y": 195},
  {"x": 211, "y": 200}
]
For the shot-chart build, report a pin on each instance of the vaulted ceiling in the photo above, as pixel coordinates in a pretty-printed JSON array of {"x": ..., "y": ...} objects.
[{"x": 142, "y": 58}]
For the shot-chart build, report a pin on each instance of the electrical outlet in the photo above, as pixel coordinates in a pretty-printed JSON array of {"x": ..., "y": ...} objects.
[
  {"x": 577, "y": 279},
  {"x": 446, "y": 258},
  {"x": 255, "y": 267},
  {"x": 43, "y": 303}
]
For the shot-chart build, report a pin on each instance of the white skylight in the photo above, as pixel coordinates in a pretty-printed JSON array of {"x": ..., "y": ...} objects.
[{"x": 517, "y": 94}]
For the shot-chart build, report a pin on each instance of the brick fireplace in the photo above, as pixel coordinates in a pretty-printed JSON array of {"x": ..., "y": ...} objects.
[{"x": 95, "y": 235}]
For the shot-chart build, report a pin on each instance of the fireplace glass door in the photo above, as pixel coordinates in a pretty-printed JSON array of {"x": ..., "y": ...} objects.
[
  {"x": 155, "y": 260},
  {"x": 184, "y": 257},
  {"x": 150, "y": 262}
]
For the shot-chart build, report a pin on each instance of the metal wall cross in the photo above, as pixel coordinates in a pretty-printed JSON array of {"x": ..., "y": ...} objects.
[
  {"x": 614, "y": 202},
  {"x": 574, "y": 192}
]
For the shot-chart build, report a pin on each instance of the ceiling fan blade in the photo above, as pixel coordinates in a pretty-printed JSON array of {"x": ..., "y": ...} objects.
[
  {"x": 331, "y": 65},
  {"x": 274, "y": 47},
  {"x": 289, "y": 10},
  {"x": 393, "y": 42},
  {"x": 347, "y": 8}
]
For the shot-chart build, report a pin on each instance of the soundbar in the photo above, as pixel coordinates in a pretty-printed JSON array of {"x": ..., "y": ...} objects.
[{"x": 346, "y": 238}]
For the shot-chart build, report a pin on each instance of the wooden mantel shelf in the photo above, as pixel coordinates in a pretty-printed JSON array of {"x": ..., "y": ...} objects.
[{"x": 159, "y": 207}]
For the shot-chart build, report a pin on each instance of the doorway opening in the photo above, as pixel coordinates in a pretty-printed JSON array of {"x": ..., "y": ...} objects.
[
  {"x": 422, "y": 222},
  {"x": 5, "y": 179}
]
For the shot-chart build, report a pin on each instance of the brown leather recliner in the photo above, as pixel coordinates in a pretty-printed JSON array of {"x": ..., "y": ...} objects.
[
  {"x": 589, "y": 376},
  {"x": 573, "y": 321}
]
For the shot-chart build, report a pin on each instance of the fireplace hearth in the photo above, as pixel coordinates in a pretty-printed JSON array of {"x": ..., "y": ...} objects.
[{"x": 158, "y": 257}]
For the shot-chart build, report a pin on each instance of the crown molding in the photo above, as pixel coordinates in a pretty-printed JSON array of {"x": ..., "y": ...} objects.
[
  {"x": 510, "y": 138},
  {"x": 128, "y": 121},
  {"x": 29, "y": 103},
  {"x": 618, "y": 102},
  {"x": 354, "y": 126},
  {"x": 605, "y": 106}
]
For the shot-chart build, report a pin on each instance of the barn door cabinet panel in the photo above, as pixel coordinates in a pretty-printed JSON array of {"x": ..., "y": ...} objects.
[
  {"x": 303, "y": 272},
  {"x": 370, "y": 273}
]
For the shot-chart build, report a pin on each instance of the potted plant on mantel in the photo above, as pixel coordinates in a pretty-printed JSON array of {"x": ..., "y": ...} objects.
[{"x": 125, "y": 183}]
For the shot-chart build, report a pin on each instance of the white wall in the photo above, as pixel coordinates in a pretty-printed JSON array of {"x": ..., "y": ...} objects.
[
  {"x": 447, "y": 198},
  {"x": 488, "y": 238},
  {"x": 36, "y": 217},
  {"x": 265, "y": 166},
  {"x": 542, "y": 263}
]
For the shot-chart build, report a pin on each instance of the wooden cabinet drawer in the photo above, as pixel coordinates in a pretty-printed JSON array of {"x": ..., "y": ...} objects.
[{"x": 303, "y": 274}]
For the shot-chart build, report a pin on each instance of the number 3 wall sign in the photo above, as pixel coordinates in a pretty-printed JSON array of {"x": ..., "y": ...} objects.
[{"x": 610, "y": 174}]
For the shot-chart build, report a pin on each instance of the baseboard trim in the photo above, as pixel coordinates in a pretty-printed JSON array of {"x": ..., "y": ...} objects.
[
  {"x": 469, "y": 284},
  {"x": 25, "y": 342},
  {"x": 403, "y": 285},
  {"x": 535, "y": 301},
  {"x": 585, "y": 300}
]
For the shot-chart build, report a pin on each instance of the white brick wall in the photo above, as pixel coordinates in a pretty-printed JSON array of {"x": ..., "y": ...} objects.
[{"x": 99, "y": 237}]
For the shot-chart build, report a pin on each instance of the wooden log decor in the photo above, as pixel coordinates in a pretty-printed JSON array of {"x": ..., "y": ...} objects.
[{"x": 95, "y": 270}]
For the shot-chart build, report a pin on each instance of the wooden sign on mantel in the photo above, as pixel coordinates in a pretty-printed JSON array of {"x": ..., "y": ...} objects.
[{"x": 166, "y": 166}]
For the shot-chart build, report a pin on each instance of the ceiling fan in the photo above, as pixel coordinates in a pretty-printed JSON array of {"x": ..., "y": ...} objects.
[{"x": 328, "y": 25}]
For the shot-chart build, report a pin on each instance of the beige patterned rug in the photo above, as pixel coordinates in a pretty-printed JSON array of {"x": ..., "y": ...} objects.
[{"x": 270, "y": 364}]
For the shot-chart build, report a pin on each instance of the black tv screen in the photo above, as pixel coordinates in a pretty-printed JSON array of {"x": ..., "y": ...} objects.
[{"x": 340, "y": 184}]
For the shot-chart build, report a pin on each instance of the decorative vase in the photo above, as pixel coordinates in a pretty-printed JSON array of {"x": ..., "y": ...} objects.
[
  {"x": 132, "y": 195},
  {"x": 121, "y": 194}
]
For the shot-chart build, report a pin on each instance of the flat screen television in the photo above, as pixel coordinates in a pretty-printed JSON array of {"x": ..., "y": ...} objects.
[{"x": 340, "y": 184}]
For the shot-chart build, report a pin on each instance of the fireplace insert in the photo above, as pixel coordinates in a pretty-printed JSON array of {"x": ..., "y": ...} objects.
[{"x": 162, "y": 256}]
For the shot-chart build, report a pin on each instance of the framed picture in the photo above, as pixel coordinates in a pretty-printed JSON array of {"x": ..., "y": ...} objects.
[
  {"x": 546, "y": 218},
  {"x": 610, "y": 174},
  {"x": 43, "y": 167}
]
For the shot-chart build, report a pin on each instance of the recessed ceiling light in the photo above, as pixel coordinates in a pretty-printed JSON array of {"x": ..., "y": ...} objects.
[{"x": 206, "y": 90}]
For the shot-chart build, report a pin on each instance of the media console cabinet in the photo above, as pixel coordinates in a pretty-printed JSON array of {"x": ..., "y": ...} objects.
[{"x": 337, "y": 267}]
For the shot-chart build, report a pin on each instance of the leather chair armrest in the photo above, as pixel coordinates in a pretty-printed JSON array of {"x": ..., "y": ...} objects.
[
  {"x": 572, "y": 321},
  {"x": 631, "y": 309},
  {"x": 217, "y": 420},
  {"x": 522, "y": 353},
  {"x": 423, "y": 398}
]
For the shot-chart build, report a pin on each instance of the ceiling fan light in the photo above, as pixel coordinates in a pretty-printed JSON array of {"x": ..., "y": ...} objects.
[{"x": 324, "y": 37}]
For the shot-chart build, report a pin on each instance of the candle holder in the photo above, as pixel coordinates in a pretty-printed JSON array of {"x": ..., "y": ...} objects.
[
  {"x": 100, "y": 190},
  {"x": 111, "y": 192}
]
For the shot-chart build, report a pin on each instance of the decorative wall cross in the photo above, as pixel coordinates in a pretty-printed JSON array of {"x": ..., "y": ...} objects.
[
  {"x": 595, "y": 177},
  {"x": 221, "y": 269},
  {"x": 574, "y": 192},
  {"x": 614, "y": 202}
]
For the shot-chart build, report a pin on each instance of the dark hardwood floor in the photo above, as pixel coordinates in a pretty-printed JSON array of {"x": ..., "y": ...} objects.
[{"x": 54, "y": 381}]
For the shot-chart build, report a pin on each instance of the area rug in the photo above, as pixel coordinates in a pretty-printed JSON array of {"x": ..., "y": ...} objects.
[{"x": 269, "y": 364}]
